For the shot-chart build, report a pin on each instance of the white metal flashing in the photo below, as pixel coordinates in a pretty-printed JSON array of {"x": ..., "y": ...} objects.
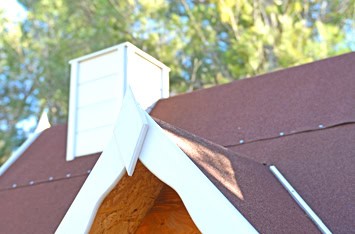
[
  {"x": 208, "y": 207},
  {"x": 131, "y": 136},
  {"x": 42, "y": 125},
  {"x": 299, "y": 200}
]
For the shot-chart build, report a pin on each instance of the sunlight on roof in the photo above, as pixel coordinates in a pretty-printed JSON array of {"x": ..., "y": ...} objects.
[{"x": 221, "y": 168}]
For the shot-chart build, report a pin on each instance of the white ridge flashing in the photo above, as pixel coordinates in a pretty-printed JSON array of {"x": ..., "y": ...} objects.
[
  {"x": 42, "y": 125},
  {"x": 208, "y": 207},
  {"x": 299, "y": 200}
]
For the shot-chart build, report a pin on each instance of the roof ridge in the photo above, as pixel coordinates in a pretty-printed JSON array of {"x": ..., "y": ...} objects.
[{"x": 252, "y": 77}]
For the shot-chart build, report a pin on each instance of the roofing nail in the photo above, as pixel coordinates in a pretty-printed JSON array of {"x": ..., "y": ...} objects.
[
  {"x": 50, "y": 178},
  {"x": 31, "y": 182},
  {"x": 321, "y": 126},
  {"x": 282, "y": 133},
  {"x": 14, "y": 185},
  {"x": 88, "y": 171},
  {"x": 68, "y": 175},
  {"x": 241, "y": 141}
]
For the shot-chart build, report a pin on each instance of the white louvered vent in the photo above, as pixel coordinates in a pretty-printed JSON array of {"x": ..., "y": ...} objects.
[{"x": 97, "y": 86}]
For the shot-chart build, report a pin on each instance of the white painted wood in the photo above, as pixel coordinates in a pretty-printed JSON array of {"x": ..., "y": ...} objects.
[
  {"x": 98, "y": 83},
  {"x": 299, "y": 200},
  {"x": 145, "y": 79},
  {"x": 97, "y": 67},
  {"x": 98, "y": 114},
  {"x": 72, "y": 117},
  {"x": 106, "y": 173},
  {"x": 93, "y": 140},
  {"x": 166, "y": 83},
  {"x": 42, "y": 125},
  {"x": 131, "y": 136},
  {"x": 207, "y": 206},
  {"x": 98, "y": 90}
]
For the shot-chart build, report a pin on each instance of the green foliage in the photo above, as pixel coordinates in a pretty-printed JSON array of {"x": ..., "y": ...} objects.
[{"x": 205, "y": 42}]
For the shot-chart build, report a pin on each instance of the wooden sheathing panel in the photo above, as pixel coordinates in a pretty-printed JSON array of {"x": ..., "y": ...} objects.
[
  {"x": 168, "y": 215},
  {"x": 127, "y": 204}
]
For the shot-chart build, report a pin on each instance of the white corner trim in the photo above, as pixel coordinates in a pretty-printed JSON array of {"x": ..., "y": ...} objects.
[
  {"x": 42, "y": 125},
  {"x": 207, "y": 206},
  {"x": 73, "y": 96},
  {"x": 299, "y": 200}
]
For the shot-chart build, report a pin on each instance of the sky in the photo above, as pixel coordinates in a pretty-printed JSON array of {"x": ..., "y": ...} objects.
[{"x": 13, "y": 11}]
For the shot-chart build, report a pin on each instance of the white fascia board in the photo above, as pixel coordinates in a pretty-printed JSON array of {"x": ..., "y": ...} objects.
[
  {"x": 42, "y": 125},
  {"x": 15, "y": 155},
  {"x": 108, "y": 170},
  {"x": 208, "y": 207}
]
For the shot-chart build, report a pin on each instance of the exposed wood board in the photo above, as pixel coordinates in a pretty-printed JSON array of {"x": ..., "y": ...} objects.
[
  {"x": 168, "y": 215},
  {"x": 128, "y": 203}
]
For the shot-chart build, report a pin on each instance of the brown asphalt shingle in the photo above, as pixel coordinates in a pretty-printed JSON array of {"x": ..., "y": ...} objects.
[
  {"x": 302, "y": 104},
  {"x": 320, "y": 165},
  {"x": 248, "y": 185},
  {"x": 291, "y": 100},
  {"x": 39, "y": 208}
]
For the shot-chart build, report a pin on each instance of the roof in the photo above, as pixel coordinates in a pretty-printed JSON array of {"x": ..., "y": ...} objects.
[
  {"x": 248, "y": 185},
  {"x": 300, "y": 119},
  {"x": 40, "y": 186}
]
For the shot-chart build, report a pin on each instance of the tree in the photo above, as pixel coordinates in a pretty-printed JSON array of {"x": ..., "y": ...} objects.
[{"x": 204, "y": 42}]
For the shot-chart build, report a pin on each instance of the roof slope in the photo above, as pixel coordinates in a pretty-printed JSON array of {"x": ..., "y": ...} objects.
[
  {"x": 248, "y": 185},
  {"x": 37, "y": 190},
  {"x": 292, "y": 100},
  {"x": 301, "y": 119},
  {"x": 320, "y": 165}
]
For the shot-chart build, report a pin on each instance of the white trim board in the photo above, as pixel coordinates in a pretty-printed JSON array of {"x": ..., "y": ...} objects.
[
  {"x": 208, "y": 207},
  {"x": 42, "y": 125}
]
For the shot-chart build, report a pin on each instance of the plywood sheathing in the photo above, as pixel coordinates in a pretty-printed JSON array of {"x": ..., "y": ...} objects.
[
  {"x": 128, "y": 203},
  {"x": 168, "y": 215}
]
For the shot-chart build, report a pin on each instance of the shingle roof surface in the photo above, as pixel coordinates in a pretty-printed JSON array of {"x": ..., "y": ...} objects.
[
  {"x": 248, "y": 185},
  {"x": 301, "y": 103},
  {"x": 46, "y": 185},
  {"x": 307, "y": 97},
  {"x": 300, "y": 119},
  {"x": 320, "y": 165}
]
